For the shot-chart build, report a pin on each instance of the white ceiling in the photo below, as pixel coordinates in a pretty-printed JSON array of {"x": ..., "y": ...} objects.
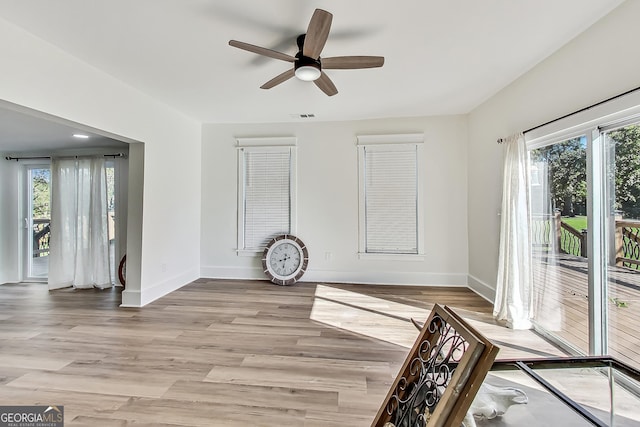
[
  {"x": 441, "y": 57},
  {"x": 22, "y": 131}
]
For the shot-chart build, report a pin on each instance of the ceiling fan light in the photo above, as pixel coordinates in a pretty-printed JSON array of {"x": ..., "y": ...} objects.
[{"x": 308, "y": 73}]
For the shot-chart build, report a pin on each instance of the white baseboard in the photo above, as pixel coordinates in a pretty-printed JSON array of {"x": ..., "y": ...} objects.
[
  {"x": 481, "y": 288},
  {"x": 369, "y": 278},
  {"x": 131, "y": 298},
  {"x": 140, "y": 298},
  {"x": 387, "y": 278},
  {"x": 239, "y": 273}
]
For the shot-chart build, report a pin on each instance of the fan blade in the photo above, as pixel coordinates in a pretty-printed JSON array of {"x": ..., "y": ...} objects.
[
  {"x": 317, "y": 33},
  {"x": 262, "y": 51},
  {"x": 326, "y": 85},
  {"x": 278, "y": 79},
  {"x": 352, "y": 62}
]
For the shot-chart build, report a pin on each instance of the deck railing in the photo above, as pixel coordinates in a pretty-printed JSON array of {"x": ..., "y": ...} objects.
[
  {"x": 41, "y": 235},
  {"x": 628, "y": 243},
  {"x": 543, "y": 233},
  {"x": 572, "y": 241},
  {"x": 550, "y": 233}
]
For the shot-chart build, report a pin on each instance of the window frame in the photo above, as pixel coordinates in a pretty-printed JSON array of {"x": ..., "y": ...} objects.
[
  {"x": 274, "y": 144},
  {"x": 593, "y": 122},
  {"x": 392, "y": 140}
]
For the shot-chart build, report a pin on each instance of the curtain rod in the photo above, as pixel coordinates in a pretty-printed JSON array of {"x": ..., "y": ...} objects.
[
  {"x": 63, "y": 157},
  {"x": 501, "y": 140}
]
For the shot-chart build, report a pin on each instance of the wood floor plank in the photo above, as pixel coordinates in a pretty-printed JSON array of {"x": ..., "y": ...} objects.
[
  {"x": 43, "y": 362},
  {"x": 221, "y": 352},
  {"x": 318, "y": 380},
  {"x": 253, "y": 395},
  {"x": 206, "y": 414},
  {"x": 99, "y": 384}
]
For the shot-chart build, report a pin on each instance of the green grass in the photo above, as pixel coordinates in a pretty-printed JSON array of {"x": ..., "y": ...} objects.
[{"x": 577, "y": 222}]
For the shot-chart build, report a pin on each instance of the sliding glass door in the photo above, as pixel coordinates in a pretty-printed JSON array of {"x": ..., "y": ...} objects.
[
  {"x": 559, "y": 231},
  {"x": 586, "y": 241}
]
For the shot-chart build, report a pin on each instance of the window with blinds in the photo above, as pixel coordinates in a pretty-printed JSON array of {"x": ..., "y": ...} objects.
[
  {"x": 265, "y": 199},
  {"x": 390, "y": 196}
]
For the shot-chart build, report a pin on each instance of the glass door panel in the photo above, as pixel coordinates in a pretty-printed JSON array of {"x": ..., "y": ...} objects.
[
  {"x": 559, "y": 238},
  {"x": 37, "y": 222},
  {"x": 623, "y": 266},
  {"x": 111, "y": 218}
]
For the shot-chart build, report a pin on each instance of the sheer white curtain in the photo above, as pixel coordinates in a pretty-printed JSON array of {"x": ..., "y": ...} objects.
[
  {"x": 79, "y": 245},
  {"x": 514, "y": 289}
]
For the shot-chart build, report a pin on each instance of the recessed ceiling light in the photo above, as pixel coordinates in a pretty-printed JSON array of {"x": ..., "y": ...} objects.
[
  {"x": 81, "y": 136},
  {"x": 302, "y": 116}
]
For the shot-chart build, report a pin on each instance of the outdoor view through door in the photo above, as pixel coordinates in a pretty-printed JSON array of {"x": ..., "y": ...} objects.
[
  {"x": 585, "y": 204},
  {"x": 38, "y": 219},
  {"x": 37, "y": 222}
]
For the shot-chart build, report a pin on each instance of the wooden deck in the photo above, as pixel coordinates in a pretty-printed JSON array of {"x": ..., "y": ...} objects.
[{"x": 561, "y": 304}]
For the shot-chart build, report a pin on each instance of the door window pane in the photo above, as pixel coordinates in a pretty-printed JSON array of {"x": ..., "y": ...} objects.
[
  {"x": 623, "y": 279},
  {"x": 38, "y": 220},
  {"x": 559, "y": 239}
]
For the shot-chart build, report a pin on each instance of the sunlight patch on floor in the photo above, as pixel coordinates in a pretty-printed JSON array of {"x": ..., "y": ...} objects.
[{"x": 365, "y": 315}]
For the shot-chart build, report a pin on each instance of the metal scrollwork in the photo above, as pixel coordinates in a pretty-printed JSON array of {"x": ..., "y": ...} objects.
[{"x": 421, "y": 388}]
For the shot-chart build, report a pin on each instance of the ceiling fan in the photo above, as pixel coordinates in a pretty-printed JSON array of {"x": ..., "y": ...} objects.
[{"x": 307, "y": 64}]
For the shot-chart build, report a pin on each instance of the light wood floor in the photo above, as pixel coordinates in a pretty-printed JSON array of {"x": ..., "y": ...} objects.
[{"x": 221, "y": 352}]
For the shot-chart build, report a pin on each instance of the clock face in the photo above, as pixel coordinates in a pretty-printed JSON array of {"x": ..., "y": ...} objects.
[{"x": 285, "y": 259}]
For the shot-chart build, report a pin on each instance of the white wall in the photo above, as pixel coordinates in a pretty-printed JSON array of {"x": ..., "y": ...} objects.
[
  {"x": 327, "y": 201},
  {"x": 40, "y": 76},
  {"x": 600, "y": 63},
  {"x": 9, "y": 268}
]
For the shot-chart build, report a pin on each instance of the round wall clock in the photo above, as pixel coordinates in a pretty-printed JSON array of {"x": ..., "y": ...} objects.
[{"x": 285, "y": 259}]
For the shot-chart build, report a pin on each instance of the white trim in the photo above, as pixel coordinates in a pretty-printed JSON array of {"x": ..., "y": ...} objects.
[
  {"x": 241, "y": 197},
  {"x": 597, "y": 243},
  {"x": 276, "y": 141},
  {"x": 403, "y": 278},
  {"x": 131, "y": 298},
  {"x": 391, "y": 257},
  {"x": 232, "y": 273},
  {"x": 293, "y": 192},
  {"x": 481, "y": 288},
  {"x": 364, "y": 278},
  {"x": 264, "y": 149},
  {"x": 407, "y": 138},
  {"x": 420, "y": 203},
  {"x": 140, "y": 298},
  {"x": 249, "y": 252}
]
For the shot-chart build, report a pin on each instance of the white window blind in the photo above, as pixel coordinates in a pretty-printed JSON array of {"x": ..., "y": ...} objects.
[
  {"x": 266, "y": 191},
  {"x": 266, "y": 196},
  {"x": 391, "y": 199}
]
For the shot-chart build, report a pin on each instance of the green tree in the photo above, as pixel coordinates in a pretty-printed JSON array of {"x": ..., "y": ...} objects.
[
  {"x": 41, "y": 179},
  {"x": 567, "y": 174},
  {"x": 627, "y": 170}
]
